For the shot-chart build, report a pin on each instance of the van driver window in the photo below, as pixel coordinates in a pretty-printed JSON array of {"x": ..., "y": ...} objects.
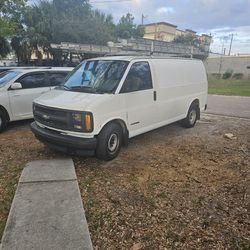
[{"x": 138, "y": 78}]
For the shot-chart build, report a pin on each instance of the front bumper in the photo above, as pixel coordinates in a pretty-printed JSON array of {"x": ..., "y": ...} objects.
[{"x": 64, "y": 143}]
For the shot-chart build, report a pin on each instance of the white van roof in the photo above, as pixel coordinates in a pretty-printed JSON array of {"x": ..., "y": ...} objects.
[{"x": 135, "y": 57}]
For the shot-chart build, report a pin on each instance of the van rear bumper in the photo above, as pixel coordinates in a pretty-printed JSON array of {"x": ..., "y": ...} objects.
[{"x": 64, "y": 143}]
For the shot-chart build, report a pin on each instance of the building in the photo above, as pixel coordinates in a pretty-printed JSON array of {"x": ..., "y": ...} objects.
[
  {"x": 188, "y": 31},
  {"x": 161, "y": 31},
  {"x": 167, "y": 32},
  {"x": 180, "y": 32}
]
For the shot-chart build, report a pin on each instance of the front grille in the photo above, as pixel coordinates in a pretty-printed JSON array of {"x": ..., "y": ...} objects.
[{"x": 52, "y": 117}]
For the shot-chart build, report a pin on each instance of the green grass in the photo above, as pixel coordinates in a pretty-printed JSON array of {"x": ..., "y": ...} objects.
[{"x": 229, "y": 87}]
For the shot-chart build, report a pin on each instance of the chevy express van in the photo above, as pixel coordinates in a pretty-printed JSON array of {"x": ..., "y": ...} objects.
[{"x": 105, "y": 101}]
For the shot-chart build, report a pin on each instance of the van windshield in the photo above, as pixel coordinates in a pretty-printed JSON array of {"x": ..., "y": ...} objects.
[
  {"x": 96, "y": 76},
  {"x": 7, "y": 76}
]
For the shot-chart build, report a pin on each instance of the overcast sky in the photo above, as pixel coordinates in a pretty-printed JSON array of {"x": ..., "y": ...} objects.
[{"x": 218, "y": 17}]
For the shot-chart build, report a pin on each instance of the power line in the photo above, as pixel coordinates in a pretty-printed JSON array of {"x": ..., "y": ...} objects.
[{"x": 110, "y": 1}]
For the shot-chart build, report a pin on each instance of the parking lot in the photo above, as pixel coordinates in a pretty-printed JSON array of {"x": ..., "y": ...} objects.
[{"x": 171, "y": 188}]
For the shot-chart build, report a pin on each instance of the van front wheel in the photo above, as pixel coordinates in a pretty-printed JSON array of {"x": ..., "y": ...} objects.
[
  {"x": 192, "y": 117},
  {"x": 109, "y": 142}
]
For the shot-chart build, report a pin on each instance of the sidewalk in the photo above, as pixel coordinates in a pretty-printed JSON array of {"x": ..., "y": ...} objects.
[{"x": 47, "y": 210}]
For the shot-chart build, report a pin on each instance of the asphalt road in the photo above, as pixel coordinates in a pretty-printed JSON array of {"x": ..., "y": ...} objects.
[{"x": 235, "y": 106}]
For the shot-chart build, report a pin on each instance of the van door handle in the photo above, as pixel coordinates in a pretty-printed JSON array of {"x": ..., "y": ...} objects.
[{"x": 155, "y": 96}]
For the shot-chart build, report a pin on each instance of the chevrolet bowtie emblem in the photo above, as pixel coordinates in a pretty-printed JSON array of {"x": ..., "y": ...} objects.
[{"x": 46, "y": 117}]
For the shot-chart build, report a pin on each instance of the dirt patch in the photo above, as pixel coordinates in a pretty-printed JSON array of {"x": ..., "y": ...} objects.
[{"x": 172, "y": 188}]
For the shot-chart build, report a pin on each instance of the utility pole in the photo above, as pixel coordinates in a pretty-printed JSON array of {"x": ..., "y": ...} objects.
[
  {"x": 142, "y": 19},
  {"x": 229, "y": 53},
  {"x": 156, "y": 31},
  {"x": 222, "y": 50}
]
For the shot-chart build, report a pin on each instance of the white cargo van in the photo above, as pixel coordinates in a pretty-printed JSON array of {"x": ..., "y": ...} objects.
[{"x": 106, "y": 101}]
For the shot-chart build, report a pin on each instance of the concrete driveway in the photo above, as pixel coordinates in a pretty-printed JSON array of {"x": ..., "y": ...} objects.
[{"x": 236, "y": 106}]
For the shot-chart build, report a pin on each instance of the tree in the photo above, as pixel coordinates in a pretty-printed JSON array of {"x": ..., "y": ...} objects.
[
  {"x": 127, "y": 29},
  {"x": 52, "y": 22},
  {"x": 72, "y": 21},
  {"x": 38, "y": 20},
  {"x": 21, "y": 46},
  {"x": 193, "y": 40},
  {"x": 4, "y": 47},
  {"x": 188, "y": 39},
  {"x": 10, "y": 13},
  {"x": 10, "y": 16},
  {"x": 61, "y": 21}
]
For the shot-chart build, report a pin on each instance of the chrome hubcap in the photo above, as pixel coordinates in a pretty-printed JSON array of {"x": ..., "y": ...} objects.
[
  {"x": 192, "y": 117},
  {"x": 113, "y": 142}
]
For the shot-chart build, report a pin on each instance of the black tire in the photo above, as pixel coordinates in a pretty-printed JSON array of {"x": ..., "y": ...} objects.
[
  {"x": 109, "y": 142},
  {"x": 192, "y": 116},
  {"x": 3, "y": 120}
]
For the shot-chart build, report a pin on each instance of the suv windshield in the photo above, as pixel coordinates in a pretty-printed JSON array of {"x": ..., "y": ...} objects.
[
  {"x": 7, "y": 76},
  {"x": 97, "y": 76}
]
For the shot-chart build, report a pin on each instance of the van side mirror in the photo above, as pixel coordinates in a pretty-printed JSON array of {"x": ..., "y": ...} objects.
[{"x": 16, "y": 85}]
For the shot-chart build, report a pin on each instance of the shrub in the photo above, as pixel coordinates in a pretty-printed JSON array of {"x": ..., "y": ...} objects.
[
  {"x": 228, "y": 74},
  {"x": 215, "y": 76},
  {"x": 238, "y": 76}
]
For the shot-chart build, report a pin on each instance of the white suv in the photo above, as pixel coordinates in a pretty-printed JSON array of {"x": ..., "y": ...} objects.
[{"x": 19, "y": 87}]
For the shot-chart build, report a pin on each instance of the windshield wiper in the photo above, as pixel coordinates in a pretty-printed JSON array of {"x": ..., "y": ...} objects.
[
  {"x": 62, "y": 87},
  {"x": 66, "y": 87},
  {"x": 86, "y": 89}
]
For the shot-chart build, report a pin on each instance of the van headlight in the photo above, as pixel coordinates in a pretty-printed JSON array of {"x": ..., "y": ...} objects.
[{"x": 82, "y": 121}]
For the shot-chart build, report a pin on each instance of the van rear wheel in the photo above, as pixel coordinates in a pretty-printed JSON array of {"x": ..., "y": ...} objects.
[
  {"x": 3, "y": 121},
  {"x": 192, "y": 117},
  {"x": 109, "y": 142}
]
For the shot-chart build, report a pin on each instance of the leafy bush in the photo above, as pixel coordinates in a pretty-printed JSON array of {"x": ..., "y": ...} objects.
[
  {"x": 215, "y": 76},
  {"x": 228, "y": 74},
  {"x": 238, "y": 76}
]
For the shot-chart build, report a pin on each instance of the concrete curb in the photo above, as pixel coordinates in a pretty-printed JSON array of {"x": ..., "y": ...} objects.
[
  {"x": 233, "y": 96},
  {"x": 47, "y": 210}
]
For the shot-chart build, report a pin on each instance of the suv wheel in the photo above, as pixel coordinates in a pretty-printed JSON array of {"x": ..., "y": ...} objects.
[
  {"x": 109, "y": 142},
  {"x": 3, "y": 121}
]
